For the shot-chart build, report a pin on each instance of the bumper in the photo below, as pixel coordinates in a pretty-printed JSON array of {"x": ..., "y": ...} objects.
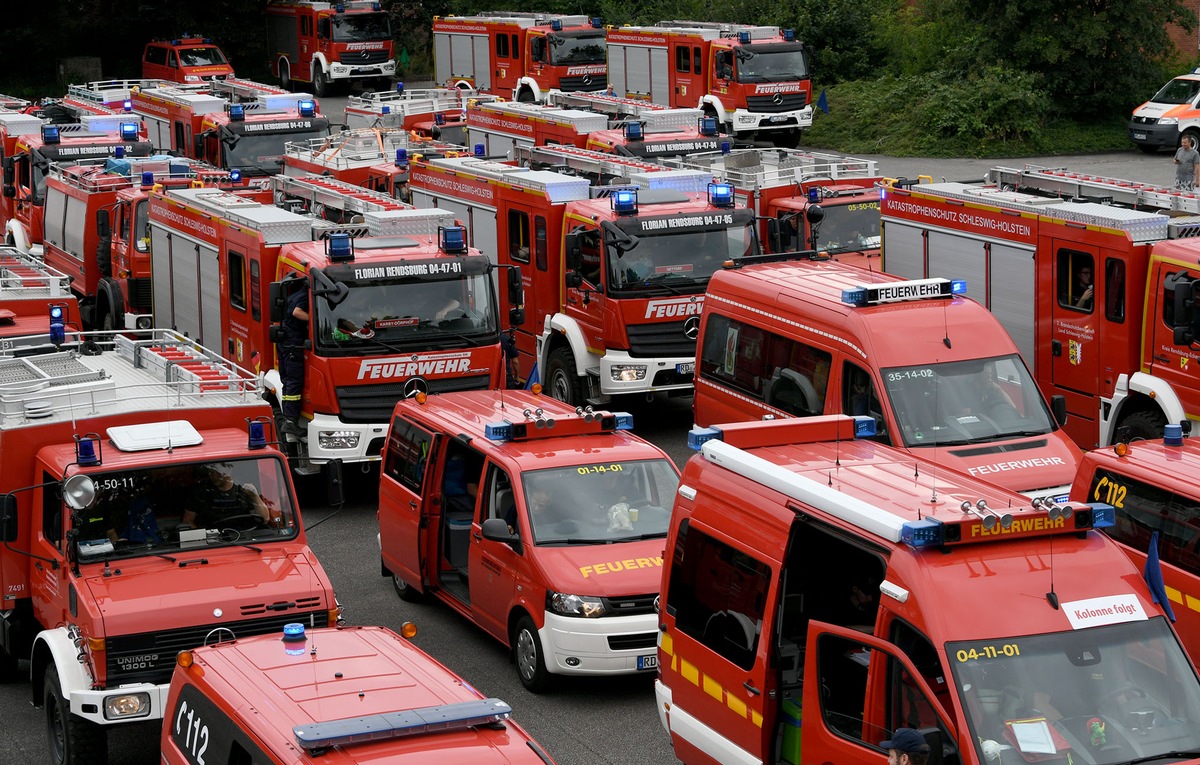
[
  {"x": 744, "y": 121},
  {"x": 1154, "y": 135},
  {"x": 347, "y": 72},
  {"x": 89, "y": 704},
  {"x": 329, "y": 438},
  {"x": 586, "y": 642},
  {"x": 661, "y": 374}
]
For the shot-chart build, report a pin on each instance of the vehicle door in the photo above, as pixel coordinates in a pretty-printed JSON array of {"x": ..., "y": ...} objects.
[
  {"x": 49, "y": 581},
  {"x": 404, "y": 487},
  {"x": 496, "y": 567},
  {"x": 1175, "y": 364},
  {"x": 585, "y": 302},
  {"x": 506, "y": 54},
  {"x": 1074, "y": 349},
  {"x": 687, "y": 72}
]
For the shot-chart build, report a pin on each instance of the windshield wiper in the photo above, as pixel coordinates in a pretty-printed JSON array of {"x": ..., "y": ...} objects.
[
  {"x": 576, "y": 541},
  {"x": 1182, "y": 754},
  {"x": 645, "y": 285},
  {"x": 637, "y": 537}
]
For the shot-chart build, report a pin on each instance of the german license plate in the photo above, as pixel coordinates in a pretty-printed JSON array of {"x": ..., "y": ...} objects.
[
  {"x": 779, "y": 118},
  {"x": 1139, "y": 136},
  {"x": 686, "y": 368},
  {"x": 648, "y": 662}
]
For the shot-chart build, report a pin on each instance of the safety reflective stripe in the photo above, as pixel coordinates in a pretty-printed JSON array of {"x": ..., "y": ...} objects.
[
  {"x": 295, "y": 397},
  {"x": 690, "y": 672},
  {"x": 1183, "y": 598}
]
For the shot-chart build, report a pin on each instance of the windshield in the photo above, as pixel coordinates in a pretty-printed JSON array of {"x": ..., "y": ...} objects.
[
  {"x": 852, "y": 226},
  {"x": 262, "y": 154},
  {"x": 1099, "y": 696},
  {"x": 414, "y": 313},
  {"x": 672, "y": 257},
  {"x": 577, "y": 49},
  {"x": 600, "y": 502},
  {"x": 206, "y": 56},
  {"x": 164, "y": 509},
  {"x": 962, "y": 402},
  {"x": 1177, "y": 92},
  {"x": 772, "y": 63},
  {"x": 361, "y": 27}
]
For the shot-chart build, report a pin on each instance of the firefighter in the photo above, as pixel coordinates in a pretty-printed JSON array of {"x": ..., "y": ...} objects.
[{"x": 291, "y": 359}]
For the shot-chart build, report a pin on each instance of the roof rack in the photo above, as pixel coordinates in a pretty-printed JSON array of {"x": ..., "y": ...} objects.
[
  {"x": 1064, "y": 184},
  {"x": 754, "y": 169},
  {"x": 24, "y": 277}
]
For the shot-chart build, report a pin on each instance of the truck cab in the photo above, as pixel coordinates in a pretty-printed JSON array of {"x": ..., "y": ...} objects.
[{"x": 185, "y": 59}]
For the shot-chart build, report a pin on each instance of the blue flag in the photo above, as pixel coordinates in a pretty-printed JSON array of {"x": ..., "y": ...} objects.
[
  {"x": 1154, "y": 577},
  {"x": 822, "y": 102},
  {"x": 533, "y": 378}
]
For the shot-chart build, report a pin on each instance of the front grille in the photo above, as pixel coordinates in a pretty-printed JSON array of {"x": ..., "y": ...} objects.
[
  {"x": 630, "y": 605},
  {"x": 788, "y": 102},
  {"x": 583, "y": 82},
  {"x": 149, "y": 657},
  {"x": 1145, "y": 120},
  {"x": 374, "y": 403},
  {"x": 363, "y": 57},
  {"x": 140, "y": 295},
  {"x": 631, "y": 642},
  {"x": 658, "y": 340}
]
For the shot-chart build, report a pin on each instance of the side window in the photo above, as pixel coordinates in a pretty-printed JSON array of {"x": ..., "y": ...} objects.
[
  {"x": 500, "y": 501},
  {"x": 501, "y": 45},
  {"x": 1076, "y": 272},
  {"x": 182, "y": 137},
  {"x": 1143, "y": 509},
  {"x": 539, "y": 242},
  {"x": 406, "y": 460},
  {"x": 724, "y": 64},
  {"x": 323, "y": 28},
  {"x": 589, "y": 244},
  {"x": 516, "y": 48},
  {"x": 204, "y": 734},
  {"x": 908, "y": 706},
  {"x": 518, "y": 236},
  {"x": 172, "y": 60},
  {"x": 255, "y": 291},
  {"x": 859, "y": 398},
  {"x": 237, "y": 280},
  {"x": 842, "y": 671},
  {"x": 1170, "y": 278},
  {"x": 1114, "y": 290},
  {"x": 683, "y": 59},
  {"x": 52, "y": 509},
  {"x": 718, "y": 595},
  {"x": 697, "y": 60}
]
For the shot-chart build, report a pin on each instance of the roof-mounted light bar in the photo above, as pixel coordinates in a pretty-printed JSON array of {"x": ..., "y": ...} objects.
[
  {"x": 586, "y": 422},
  {"x": 624, "y": 202},
  {"x": 411, "y": 722},
  {"x": 903, "y": 291},
  {"x": 790, "y": 430},
  {"x": 720, "y": 194}
]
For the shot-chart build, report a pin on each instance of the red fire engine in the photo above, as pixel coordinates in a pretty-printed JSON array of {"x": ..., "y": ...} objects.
[
  {"x": 235, "y": 124},
  {"x": 29, "y": 290},
  {"x": 411, "y": 109},
  {"x": 618, "y": 273},
  {"x": 751, "y": 78},
  {"x": 643, "y": 129},
  {"x": 504, "y": 125},
  {"x": 522, "y": 56},
  {"x": 1032, "y": 237},
  {"x": 86, "y": 202},
  {"x": 243, "y": 699},
  {"x": 826, "y": 203},
  {"x": 406, "y": 307},
  {"x": 376, "y": 158},
  {"x": 808, "y": 612},
  {"x": 557, "y": 549},
  {"x": 185, "y": 59},
  {"x": 144, "y": 512},
  {"x": 31, "y": 147},
  {"x": 329, "y": 44}
]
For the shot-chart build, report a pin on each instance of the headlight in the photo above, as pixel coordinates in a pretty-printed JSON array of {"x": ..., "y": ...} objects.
[
  {"x": 126, "y": 706},
  {"x": 338, "y": 439},
  {"x": 575, "y": 605},
  {"x": 1168, "y": 120},
  {"x": 191, "y": 78},
  {"x": 628, "y": 372}
]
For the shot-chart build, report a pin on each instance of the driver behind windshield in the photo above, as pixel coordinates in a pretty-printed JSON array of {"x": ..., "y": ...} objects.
[{"x": 220, "y": 500}]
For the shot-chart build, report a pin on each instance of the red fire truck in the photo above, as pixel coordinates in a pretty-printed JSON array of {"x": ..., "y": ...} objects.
[
  {"x": 185, "y": 59},
  {"x": 403, "y": 307},
  {"x": 522, "y": 56},
  {"x": 243, "y": 699},
  {"x": 505, "y": 125},
  {"x": 1032, "y": 237},
  {"x": 86, "y": 202},
  {"x": 144, "y": 512},
  {"x": 235, "y": 124},
  {"x": 786, "y": 187},
  {"x": 376, "y": 158},
  {"x": 616, "y": 274},
  {"x": 806, "y": 614},
  {"x": 751, "y": 78},
  {"x": 329, "y": 44},
  {"x": 557, "y": 549},
  {"x": 29, "y": 289},
  {"x": 643, "y": 129},
  {"x": 32, "y": 146}
]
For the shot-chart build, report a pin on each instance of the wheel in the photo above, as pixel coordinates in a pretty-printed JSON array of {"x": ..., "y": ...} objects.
[
  {"x": 285, "y": 75},
  {"x": 787, "y": 139},
  {"x": 73, "y": 740},
  {"x": 527, "y": 647},
  {"x": 405, "y": 590},
  {"x": 561, "y": 380},
  {"x": 525, "y": 96},
  {"x": 1145, "y": 426},
  {"x": 1194, "y": 135},
  {"x": 1147, "y": 148},
  {"x": 322, "y": 86},
  {"x": 107, "y": 324}
]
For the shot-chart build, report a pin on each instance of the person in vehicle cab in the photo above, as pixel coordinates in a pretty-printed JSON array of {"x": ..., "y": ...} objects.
[
  {"x": 543, "y": 510},
  {"x": 220, "y": 500},
  {"x": 1085, "y": 287},
  {"x": 906, "y": 747}
]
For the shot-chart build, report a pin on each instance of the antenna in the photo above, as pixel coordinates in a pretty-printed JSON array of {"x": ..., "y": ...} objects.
[
  {"x": 945, "y": 324},
  {"x": 1052, "y": 596}
]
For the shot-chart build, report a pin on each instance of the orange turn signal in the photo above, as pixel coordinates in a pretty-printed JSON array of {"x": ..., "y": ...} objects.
[{"x": 408, "y": 630}]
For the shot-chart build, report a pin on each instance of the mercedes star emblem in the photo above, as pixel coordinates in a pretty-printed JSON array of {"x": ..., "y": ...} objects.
[
  {"x": 691, "y": 327},
  {"x": 415, "y": 385},
  {"x": 777, "y": 99}
]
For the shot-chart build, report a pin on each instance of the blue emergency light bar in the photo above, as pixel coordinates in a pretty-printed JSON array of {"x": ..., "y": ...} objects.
[
  {"x": 401, "y": 157},
  {"x": 85, "y": 451},
  {"x": 58, "y": 328},
  {"x": 744, "y": 38},
  {"x": 556, "y": 25},
  {"x": 899, "y": 292},
  {"x": 814, "y": 195},
  {"x": 129, "y": 131},
  {"x": 118, "y": 151},
  {"x": 864, "y": 427},
  {"x": 453, "y": 238},
  {"x": 479, "y": 150},
  {"x": 409, "y": 722},
  {"x": 257, "y": 437},
  {"x": 720, "y": 194},
  {"x": 624, "y": 202},
  {"x": 1173, "y": 435},
  {"x": 400, "y": 87},
  {"x": 340, "y": 8},
  {"x": 934, "y": 532},
  {"x": 385, "y": 109},
  {"x": 596, "y": 22},
  {"x": 307, "y": 107},
  {"x": 789, "y": 35},
  {"x": 633, "y": 131},
  {"x": 439, "y": 119},
  {"x": 50, "y": 134},
  {"x": 338, "y": 248},
  {"x": 237, "y": 113},
  {"x": 147, "y": 178},
  {"x": 548, "y": 427},
  {"x": 127, "y": 105},
  {"x": 708, "y": 126},
  {"x": 235, "y": 176}
]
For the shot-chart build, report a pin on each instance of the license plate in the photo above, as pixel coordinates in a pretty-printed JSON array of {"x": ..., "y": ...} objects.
[
  {"x": 648, "y": 662},
  {"x": 1139, "y": 136},
  {"x": 686, "y": 368},
  {"x": 779, "y": 118}
]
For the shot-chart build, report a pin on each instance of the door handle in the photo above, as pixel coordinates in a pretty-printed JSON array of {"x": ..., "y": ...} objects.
[
  {"x": 750, "y": 687},
  {"x": 1161, "y": 359},
  {"x": 477, "y": 537},
  {"x": 412, "y": 504},
  {"x": 1056, "y": 347}
]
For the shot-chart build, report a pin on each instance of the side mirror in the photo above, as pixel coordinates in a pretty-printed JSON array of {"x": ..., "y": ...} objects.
[
  {"x": 773, "y": 234},
  {"x": 574, "y": 253},
  {"x": 10, "y": 190},
  {"x": 276, "y": 301},
  {"x": 516, "y": 316},
  {"x": 8, "y": 518},
  {"x": 103, "y": 224},
  {"x": 10, "y": 172},
  {"x": 537, "y": 48},
  {"x": 516, "y": 289},
  {"x": 574, "y": 279},
  {"x": 496, "y": 530},
  {"x": 198, "y": 146},
  {"x": 1184, "y": 324},
  {"x": 1058, "y": 407},
  {"x": 335, "y": 489}
]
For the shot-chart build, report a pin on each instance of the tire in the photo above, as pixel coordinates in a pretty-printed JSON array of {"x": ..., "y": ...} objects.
[
  {"x": 787, "y": 139},
  {"x": 73, "y": 740},
  {"x": 405, "y": 590},
  {"x": 285, "y": 75},
  {"x": 322, "y": 87},
  {"x": 1146, "y": 426},
  {"x": 527, "y": 649},
  {"x": 562, "y": 382},
  {"x": 1194, "y": 135}
]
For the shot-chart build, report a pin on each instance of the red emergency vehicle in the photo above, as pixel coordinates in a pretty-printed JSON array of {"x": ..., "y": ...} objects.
[
  {"x": 431, "y": 112},
  {"x": 402, "y": 306},
  {"x": 186, "y": 59},
  {"x": 936, "y": 371},
  {"x": 806, "y": 614},
  {"x": 32, "y": 146},
  {"x": 503, "y": 126},
  {"x": 616, "y": 274},
  {"x": 1030, "y": 237},
  {"x": 144, "y": 512},
  {"x": 376, "y": 158},
  {"x": 540, "y": 522},
  {"x": 330, "y": 44},
  {"x": 643, "y": 129},
  {"x": 826, "y": 203},
  {"x": 751, "y": 78},
  {"x": 240, "y": 698},
  {"x": 29, "y": 289},
  {"x": 1152, "y": 486},
  {"x": 522, "y": 56}
]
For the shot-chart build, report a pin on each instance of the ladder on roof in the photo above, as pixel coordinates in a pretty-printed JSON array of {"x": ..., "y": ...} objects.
[
  {"x": 582, "y": 121},
  {"x": 752, "y": 169},
  {"x": 585, "y": 161},
  {"x": 440, "y": 98},
  {"x": 24, "y": 276},
  {"x": 12, "y": 103},
  {"x": 616, "y": 107},
  {"x": 335, "y": 194},
  {"x": 350, "y": 148},
  {"x": 1062, "y": 183}
]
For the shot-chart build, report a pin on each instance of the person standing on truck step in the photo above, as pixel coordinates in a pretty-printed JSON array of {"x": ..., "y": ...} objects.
[
  {"x": 291, "y": 359},
  {"x": 906, "y": 747},
  {"x": 1187, "y": 164}
]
